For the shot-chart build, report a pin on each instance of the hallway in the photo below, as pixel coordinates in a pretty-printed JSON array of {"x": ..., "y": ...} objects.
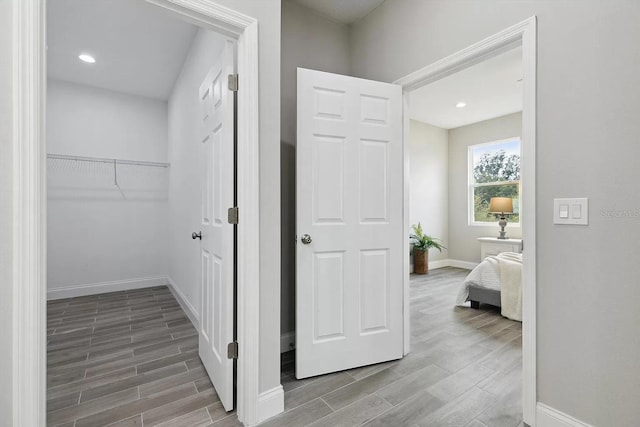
[{"x": 464, "y": 369}]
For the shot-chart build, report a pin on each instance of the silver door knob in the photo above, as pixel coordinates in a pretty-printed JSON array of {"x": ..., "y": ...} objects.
[
  {"x": 306, "y": 239},
  {"x": 197, "y": 235}
]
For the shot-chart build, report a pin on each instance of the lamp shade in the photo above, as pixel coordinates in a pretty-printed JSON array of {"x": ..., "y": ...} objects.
[{"x": 501, "y": 205}]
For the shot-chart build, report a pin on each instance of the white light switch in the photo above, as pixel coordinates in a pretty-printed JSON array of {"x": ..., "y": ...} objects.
[
  {"x": 564, "y": 211},
  {"x": 576, "y": 211},
  {"x": 571, "y": 211}
]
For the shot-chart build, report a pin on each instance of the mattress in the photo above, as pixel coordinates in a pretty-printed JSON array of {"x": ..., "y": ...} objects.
[{"x": 496, "y": 281}]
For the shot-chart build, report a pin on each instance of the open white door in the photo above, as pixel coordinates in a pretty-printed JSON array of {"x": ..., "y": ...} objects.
[
  {"x": 217, "y": 249},
  {"x": 350, "y": 237}
]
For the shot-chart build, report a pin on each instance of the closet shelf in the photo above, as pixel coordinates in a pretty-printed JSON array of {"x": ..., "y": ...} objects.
[{"x": 106, "y": 160}]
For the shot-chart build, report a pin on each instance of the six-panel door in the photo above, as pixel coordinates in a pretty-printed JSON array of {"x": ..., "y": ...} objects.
[
  {"x": 350, "y": 202},
  {"x": 217, "y": 178}
]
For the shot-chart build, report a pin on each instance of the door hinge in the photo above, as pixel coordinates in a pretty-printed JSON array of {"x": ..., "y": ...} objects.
[
  {"x": 232, "y": 215},
  {"x": 233, "y": 82},
  {"x": 232, "y": 350}
]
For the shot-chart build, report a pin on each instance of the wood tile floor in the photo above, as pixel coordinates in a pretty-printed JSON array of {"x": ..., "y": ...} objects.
[
  {"x": 130, "y": 359},
  {"x": 127, "y": 359},
  {"x": 464, "y": 369}
]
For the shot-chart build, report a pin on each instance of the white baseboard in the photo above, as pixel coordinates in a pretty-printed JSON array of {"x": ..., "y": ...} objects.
[
  {"x": 188, "y": 308},
  {"x": 287, "y": 341},
  {"x": 547, "y": 416},
  {"x": 270, "y": 403},
  {"x": 448, "y": 263},
  {"x": 438, "y": 264},
  {"x": 462, "y": 264},
  {"x": 104, "y": 287}
]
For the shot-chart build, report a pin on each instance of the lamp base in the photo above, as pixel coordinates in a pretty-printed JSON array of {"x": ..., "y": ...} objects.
[{"x": 502, "y": 223}]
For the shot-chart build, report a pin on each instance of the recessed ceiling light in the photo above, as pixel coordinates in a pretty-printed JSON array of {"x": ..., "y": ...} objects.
[
  {"x": 87, "y": 58},
  {"x": 461, "y": 104}
]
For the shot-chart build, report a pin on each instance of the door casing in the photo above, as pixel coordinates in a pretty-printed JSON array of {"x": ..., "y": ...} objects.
[
  {"x": 30, "y": 202},
  {"x": 522, "y": 34}
]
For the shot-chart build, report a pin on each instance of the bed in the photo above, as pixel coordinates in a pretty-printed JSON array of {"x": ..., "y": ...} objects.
[{"x": 497, "y": 281}]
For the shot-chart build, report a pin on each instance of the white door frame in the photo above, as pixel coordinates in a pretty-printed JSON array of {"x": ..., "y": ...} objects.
[
  {"x": 522, "y": 34},
  {"x": 30, "y": 202}
]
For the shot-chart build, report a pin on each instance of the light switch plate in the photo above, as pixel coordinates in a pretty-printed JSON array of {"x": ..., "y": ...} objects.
[{"x": 578, "y": 213}]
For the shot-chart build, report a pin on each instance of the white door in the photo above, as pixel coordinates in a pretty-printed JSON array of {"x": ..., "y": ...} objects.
[
  {"x": 350, "y": 238},
  {"x": 217, "y": 250}
]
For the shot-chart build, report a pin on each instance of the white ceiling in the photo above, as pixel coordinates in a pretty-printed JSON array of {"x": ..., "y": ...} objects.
[
  {"x": 343, "y": 11},
  {"x": 490, "y": 89},
  {"x": 139, "y": 49}
]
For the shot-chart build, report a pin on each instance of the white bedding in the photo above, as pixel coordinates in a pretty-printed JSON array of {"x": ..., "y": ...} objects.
[{"x": 501, "y": 273}]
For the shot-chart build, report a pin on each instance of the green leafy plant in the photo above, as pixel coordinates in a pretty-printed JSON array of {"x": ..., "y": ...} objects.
[{"x": 424, "y": 242}]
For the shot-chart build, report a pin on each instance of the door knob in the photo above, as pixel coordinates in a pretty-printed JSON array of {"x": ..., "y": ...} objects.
[
  {"x": 197, "y": 235},
  {"x": 306, "y": 239}
]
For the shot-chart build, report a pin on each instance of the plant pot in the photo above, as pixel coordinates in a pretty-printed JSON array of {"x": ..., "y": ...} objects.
[{"x": 420, "y": 261}]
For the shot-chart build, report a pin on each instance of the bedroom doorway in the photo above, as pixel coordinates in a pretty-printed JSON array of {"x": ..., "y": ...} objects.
[
  {"x": 451, "y": 212},
  {"x": 438, "y": 375},
  {"x": 462, "y": 132}
]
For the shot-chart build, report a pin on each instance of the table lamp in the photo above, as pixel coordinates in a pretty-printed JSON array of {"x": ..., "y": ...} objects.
[{"x": 502, "y": 206}]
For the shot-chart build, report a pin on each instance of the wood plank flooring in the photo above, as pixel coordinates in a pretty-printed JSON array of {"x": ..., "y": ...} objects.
[
  {"x": 130, "y": 359},
  {"x": 127, "y": 359},
  {"x": 464, "y": 369}
]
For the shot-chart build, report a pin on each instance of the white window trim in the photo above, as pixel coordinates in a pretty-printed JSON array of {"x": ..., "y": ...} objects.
[{"x": 471, "y": 185}]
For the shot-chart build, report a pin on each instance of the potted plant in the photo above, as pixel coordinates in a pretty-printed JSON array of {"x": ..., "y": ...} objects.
[{"x": 421, "y": 245}]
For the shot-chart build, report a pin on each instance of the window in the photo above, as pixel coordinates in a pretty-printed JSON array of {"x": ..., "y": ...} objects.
[{"x": 494, "y": 171}]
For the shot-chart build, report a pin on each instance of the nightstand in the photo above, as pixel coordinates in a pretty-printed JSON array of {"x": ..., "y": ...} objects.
[{"x": 493, "y": 246}]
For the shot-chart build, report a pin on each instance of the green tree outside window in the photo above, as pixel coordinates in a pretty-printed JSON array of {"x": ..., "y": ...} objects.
[{"x": 495, "y": 173}]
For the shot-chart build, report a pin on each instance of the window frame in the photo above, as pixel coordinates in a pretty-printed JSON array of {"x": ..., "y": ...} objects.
[{"x": 471, "y": 185}]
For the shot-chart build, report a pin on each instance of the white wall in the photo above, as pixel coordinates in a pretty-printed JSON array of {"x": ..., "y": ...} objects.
[
  {"x": 89, "y": 121},
  {"x": 463, "y": 243},
  {"x": 184, "y": 155},
  {"x": 308, "y": 41},
  {"x": 588, "y": 91},
  {"x": 429, "y": 183},
  {"x": 96, "y": 233},
  {"x": 6, "y": 214}
]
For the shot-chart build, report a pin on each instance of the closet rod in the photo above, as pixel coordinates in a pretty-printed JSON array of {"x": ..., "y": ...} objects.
[{"x": 105, "y": 160}]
